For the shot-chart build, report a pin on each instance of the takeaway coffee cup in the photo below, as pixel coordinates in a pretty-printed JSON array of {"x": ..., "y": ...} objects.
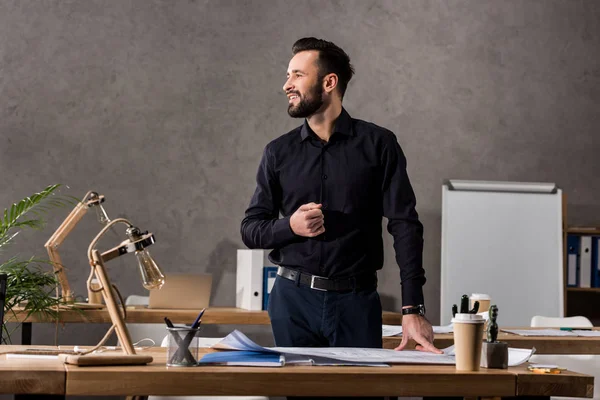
[
  {"x": 468, "y": 336},
  {"x": 483, "y": 299}
]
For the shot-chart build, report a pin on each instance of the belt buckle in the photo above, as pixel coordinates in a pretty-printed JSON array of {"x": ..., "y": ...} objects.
[{"x": 312, "y": 283}]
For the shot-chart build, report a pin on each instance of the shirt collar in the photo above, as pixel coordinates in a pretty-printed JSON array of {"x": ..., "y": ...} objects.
[{"x": 343, "y": 125}]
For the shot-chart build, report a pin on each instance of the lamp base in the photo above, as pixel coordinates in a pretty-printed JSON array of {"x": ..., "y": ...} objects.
[
  {"x": 105, "y": 359},
  {"x": 82, "y": 306}
]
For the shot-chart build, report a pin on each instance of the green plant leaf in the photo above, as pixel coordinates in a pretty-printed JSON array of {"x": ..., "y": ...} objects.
[{"x": 31, "y": 284}]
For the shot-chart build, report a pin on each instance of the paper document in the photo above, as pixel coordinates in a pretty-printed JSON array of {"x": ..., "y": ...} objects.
[
  {"x": 515, "y": 356},
  {"x": 396, "y": 330},
  {"x": 238, "y": 341},
  {"x": 587, "y": 333},
  {"x": 541, "y": 332},
  {"x": 299, "y": 359}
]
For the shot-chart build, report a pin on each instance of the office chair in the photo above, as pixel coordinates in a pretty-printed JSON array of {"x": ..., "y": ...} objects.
[{"x": 582, "y": 363}]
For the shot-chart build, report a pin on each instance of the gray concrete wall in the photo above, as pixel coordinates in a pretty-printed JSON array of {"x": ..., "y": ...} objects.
[{"x": 165, "y": 106}]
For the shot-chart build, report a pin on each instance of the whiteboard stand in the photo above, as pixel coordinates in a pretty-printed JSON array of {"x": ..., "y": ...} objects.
[{"x": 504, "y": 239}]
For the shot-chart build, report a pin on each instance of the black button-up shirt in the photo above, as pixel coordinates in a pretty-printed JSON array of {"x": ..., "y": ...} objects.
[{"x": 359, "y": 176}]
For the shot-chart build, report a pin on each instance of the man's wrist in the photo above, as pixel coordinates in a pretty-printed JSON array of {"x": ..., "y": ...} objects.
[{"x": 414, "y": 310}]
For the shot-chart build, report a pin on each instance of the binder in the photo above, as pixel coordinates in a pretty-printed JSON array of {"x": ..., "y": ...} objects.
[
  {"x": 585, "y": 262},
  {"x": 254, "y": 279},
  {"x": 249, "y": 279},
  {"x": 595, "y": 262},
  {"x": 269, "y": 275},
  {"x": 572, "y": 260}
]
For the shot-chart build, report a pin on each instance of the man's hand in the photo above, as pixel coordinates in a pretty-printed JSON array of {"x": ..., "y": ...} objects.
[
  {"x": 418, "y": 328},
  {"x": 308, "y": 220}
]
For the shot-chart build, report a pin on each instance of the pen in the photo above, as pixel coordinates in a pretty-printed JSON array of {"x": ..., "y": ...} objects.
[{"x": 198, "y": 319}]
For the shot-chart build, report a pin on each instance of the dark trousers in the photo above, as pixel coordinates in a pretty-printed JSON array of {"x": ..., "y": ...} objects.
[{"x": 305, "y": 317}]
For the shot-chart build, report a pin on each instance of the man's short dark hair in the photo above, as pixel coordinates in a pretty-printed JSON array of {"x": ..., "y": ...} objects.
[{"x": 332, "y": 59}]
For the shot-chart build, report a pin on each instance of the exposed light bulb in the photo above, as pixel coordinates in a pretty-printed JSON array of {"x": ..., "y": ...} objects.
[
  {"x": 101, "y": 214},
  {"x": 152, "y": 277}
]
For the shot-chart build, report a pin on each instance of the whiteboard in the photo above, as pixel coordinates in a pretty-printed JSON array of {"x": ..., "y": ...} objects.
[{"x": 503, "y": 239}]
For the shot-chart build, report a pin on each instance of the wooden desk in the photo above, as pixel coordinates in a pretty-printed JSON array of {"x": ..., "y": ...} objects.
[
  {"x": 542, "y": 344},
  {"x": 398, "y": 380},
  {"x": 26, "y": 376},
  {"x": 52, "y": 377}
]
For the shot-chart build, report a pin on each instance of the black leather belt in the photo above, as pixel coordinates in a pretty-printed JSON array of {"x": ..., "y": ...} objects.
[{"x": 325, "y": 284}]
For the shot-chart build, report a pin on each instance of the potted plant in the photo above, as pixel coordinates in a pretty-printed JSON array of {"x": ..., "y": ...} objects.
[{"x": 30, "y": 283}]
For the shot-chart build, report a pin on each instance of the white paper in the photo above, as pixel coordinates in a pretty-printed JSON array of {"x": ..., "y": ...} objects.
[
  {"x": 298, "y": 359},
  {"x": 359, "y": 354},
  {"x": 519, "y": 356},
  {"x": 396, "y": 330},
  {"x": 539, "y": 332},
  {"x": 38, "y": 356},
  {"x": 391, "y": 330},
  {"x": 238, "y": 341},
  {"x": 515, "y": 356},
  {"x": 586, "y": 333}
]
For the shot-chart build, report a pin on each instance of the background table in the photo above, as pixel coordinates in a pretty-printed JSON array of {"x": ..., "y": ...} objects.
[
  {"x": 542, "y": 344},
  {"x": 142, "y": 315}
]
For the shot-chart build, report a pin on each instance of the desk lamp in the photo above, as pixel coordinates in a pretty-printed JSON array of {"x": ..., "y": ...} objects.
[
  {"x": 152, "y": 277},
  {"x": 91, "y": 199}
]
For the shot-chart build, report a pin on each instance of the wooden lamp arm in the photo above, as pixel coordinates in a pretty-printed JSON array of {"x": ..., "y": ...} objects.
[{"x": 60, "y": 235}]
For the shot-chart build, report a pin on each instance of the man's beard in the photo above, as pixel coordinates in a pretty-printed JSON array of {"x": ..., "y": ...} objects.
[{"x": 308, "y": 104}]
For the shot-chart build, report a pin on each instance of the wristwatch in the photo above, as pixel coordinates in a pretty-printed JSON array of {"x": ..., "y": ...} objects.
[{"x": 419, "y": 309}]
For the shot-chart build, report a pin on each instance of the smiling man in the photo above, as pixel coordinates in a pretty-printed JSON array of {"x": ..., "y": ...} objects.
[{"x": 322, "y": 190}]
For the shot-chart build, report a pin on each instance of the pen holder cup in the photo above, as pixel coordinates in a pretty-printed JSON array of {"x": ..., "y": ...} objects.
[{"x": 182, "y": 349}]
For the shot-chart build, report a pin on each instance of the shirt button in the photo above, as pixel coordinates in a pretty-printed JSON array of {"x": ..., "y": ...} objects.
[{"x": 324, "y": 176}]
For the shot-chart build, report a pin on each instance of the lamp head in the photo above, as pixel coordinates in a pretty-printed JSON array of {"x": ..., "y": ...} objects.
[
  {"x": 152, "y": 277},
  {"x": 95, "y": 200}
]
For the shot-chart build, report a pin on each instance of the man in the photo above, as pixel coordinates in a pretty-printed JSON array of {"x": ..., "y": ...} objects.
[{"x": 332, "y": 179}]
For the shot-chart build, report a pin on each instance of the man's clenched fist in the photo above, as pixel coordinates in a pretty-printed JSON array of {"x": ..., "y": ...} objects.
[{"x": 308, "y": 221}]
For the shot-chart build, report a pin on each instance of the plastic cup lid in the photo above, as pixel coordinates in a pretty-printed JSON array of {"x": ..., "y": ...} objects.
[
  {"x": 468, "y": 318},
  {"x": 480, "y": 296}
]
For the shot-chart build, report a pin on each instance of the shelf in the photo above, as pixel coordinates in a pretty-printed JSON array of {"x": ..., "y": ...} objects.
[
  {"x": 583, "y": 230},
  {"x": 578, "y": 289}
]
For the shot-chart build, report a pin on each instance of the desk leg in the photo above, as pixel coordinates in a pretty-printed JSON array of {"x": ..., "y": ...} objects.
[{"x": 26, "y": 333}]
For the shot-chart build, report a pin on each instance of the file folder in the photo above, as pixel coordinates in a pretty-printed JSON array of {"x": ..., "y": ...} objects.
[
  {"x": 585, "y": 262},
  {"x": 252, "y": 279},
  {"x": 249, "y": 279},
  {"x": 595, "y": 262},
  {"x": 269, "y": 275},
  {"x": 572, "y": 260}
]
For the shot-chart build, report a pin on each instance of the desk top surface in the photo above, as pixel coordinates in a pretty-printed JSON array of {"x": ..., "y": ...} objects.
[{"x": 51, "y": 376}]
